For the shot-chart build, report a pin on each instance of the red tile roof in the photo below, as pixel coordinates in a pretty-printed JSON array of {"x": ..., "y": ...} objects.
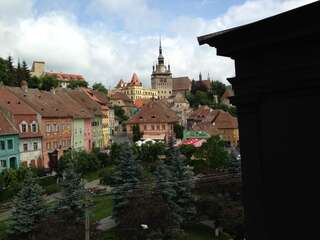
[
  {"x": 154, "y": 112},
  {"x": 13, "y": 104},
  {"x": 6, "y": 127},
  {"x": 181, "y": 83},
  {"x": 228, "y": 93},
  {"x": 45, "y": 103},
  {"x": 66, "y": 77}
]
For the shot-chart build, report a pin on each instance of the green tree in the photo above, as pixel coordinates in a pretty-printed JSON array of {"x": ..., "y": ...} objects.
[
  {"x": 76, "y": 84},
  {"x": 120, "y": 113},
  {"x": 127, "y": 177},
  {"x": 99, "y": 87},
  {"x": 19, "y": 75},
  {"x": 188, "y": 151},
  {"x": 34, "y": 82},
  {"x": 48, "y": 82},
  {"x": 166, "y": 186},
  {"x": 182, "y": 175},
  {"x": 72, "y": 191},
  {"x": 214, "y": 153},
  {"x": 218, "y": 88},
  {"x": 11, "y": 72},
  {"x": 136, "y": 134},
  {"x": 178, "y": 130},
  {"x": 4, "y": 76},
  {"x": 29, "y": 208},
  {"x": 25, "y": 72}
]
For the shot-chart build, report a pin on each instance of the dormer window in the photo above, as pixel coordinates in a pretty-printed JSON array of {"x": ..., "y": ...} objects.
[
  {"x": 153, "y": 116},
  {"x": 24, "y": 127},
  {"x": 141, "y": 117},
  {"x": 34, "y": 127}
]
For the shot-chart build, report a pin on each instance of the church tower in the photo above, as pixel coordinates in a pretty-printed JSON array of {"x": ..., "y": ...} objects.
[{"x": 161, "y": 77}]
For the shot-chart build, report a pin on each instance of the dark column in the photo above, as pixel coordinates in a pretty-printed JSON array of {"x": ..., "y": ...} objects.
[{"x": 277, "y": 93}]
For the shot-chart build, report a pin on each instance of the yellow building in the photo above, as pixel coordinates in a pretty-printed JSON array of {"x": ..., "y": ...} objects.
[{"x": 134, "y": 89}]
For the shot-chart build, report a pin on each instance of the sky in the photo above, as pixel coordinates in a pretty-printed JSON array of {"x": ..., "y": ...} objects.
[{"x": 108, "y": 40}]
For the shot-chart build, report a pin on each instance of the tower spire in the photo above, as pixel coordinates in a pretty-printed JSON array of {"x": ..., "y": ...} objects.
[{"x": 160, "y": 58}]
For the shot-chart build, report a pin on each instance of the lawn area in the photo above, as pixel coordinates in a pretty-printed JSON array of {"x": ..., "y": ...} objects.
[
  {"x": 102, "y": 207},
  {"x": 92, "y": 176}
]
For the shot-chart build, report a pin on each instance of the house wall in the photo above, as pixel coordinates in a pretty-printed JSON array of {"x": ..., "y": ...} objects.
[
  {"x": 87, "y": 135},
  {"x": 97, "y": 134},
  {"x": 6, "y": 154},
  {"x": 78, "y": 134},
  {"x": 153, "y": 129},
  {"x": 55, "y": 138},
  {"x": 33, "y": 154}
]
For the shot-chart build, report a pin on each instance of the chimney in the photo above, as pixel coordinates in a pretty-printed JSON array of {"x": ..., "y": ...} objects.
[{"x": 24, "y": 85}]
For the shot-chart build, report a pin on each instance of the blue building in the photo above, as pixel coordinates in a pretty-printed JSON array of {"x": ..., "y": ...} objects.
[{"x": 9, "y": 144}]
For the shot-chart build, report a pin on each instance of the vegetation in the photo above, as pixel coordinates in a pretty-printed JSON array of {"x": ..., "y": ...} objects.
[
  {"x": 78, "y": 83},
  {"x": 178, "y": 130},
  {"x": 11, "y": 75},
  {"x": 120, "y": 113},
  {"x": 100, "y": 87},
  {"x": 136, "y": 134},
  {"x": 28, "y": 209}
]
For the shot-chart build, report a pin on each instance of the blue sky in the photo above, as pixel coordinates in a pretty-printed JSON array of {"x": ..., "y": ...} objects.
[{"x": 106, "y": 40}]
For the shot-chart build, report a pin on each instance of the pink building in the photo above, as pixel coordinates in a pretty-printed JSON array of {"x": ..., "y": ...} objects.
[{"x": 87, "y": 135}]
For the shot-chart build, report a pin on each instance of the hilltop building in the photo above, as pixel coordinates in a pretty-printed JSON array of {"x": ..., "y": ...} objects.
[
  {"x": 134, "y": 89},
  {"x": 39, "y": 70}
]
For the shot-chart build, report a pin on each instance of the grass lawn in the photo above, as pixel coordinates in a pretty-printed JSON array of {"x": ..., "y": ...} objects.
[
  {"x": 92, "y": 176},
  {"x": 102, "y": 208}
]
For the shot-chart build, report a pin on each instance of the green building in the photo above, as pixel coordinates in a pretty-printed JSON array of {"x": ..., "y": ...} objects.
[{"x": 9, "y": 144}]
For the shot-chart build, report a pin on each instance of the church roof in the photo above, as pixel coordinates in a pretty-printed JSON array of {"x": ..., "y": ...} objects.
[
  {"x": 181, "y": 83},
  {"x": 135, "y": 81}
]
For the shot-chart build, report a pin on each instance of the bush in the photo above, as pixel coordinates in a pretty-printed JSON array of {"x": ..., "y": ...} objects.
[{"x": 106, "y": 177}]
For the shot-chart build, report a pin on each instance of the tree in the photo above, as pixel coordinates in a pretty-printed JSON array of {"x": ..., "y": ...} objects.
[
  {"x": 188, "y": 151},
  {"x": 4, "y": 77},
  {"x": 25, "y": 72},
  {"x": 178, "y": 130},
  {"x": 11, "y": 72},
  {"x": 34, "y": 82},
  {"x": 136, "y": 134},
  {"x": 218, "y": 88},
  {"x": 72, "y": 191},
  {"x": 182, "y": 175},
  {"x": 19, "y": 75},
  {"x": 48, "y": 82},
  {"x": 214, "y": 153},
  {"x": 29, "y": 208},
  {"x": 166, "y": 186},
  {"x": 120, "y": 113},
  {"x": 99, "y": 87},
  {"x": 76, "y": 84},
  {"x": 127, "y": 176}
]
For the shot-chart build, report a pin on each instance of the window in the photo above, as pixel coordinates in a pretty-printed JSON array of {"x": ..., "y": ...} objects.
[
  {"x": 10, "y": 144},
  {"x": 80, "y": 130},
  {"x": 48, "y": 128},
  {"x": 24, "y": 127},
  {"x": 76, "y": 131},
  {"x": 3, "y": 163},
  {"x": 163, "y": 127},
  {"x": 55, "y": 128},
  {"x": 145, "y": 127},
  {"x": 34, "y": 127},
  {"x": 152, "y": 127},
  {"x": 25, "y": 147},
  {"x": 2, "y": 145},
  {"x": 35, "y": 146},
  {"x": 158, "y": 127}
]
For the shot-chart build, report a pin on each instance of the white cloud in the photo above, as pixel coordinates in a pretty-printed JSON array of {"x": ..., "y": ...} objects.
[
  {"x": 12, "y": 10},
  {"x": 103, "y": 55}
]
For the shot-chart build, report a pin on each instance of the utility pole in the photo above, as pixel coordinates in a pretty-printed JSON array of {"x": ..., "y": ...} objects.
[{"x": 87, "y": 218}]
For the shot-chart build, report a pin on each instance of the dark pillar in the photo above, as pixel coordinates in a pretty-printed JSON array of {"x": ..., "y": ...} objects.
[{"x": 277, "y": 93}]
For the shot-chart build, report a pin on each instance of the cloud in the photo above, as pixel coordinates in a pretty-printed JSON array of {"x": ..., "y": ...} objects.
[
  {"x": 135, "y": 15},
  {"x": 105, "y": 55}
]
